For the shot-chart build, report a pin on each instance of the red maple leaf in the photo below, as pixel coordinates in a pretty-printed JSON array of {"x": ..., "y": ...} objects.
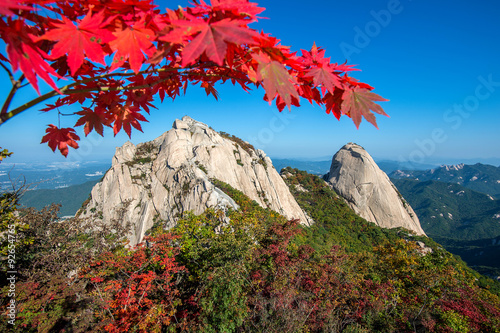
[
  {"x": 323, "y": 73},
  {"x": 355, "y": 83},
  {"x": 93, "y": 119},
  {"x": 86, "y": 38},
  {"x": 210, "y": 89},
  {"x": 141, "y": 97},
  {"x": 60, "y": 138},
  {"x": 127, "y": 116},
  {"x": 238, "y": 7},
  {"x": 213, "y": 39},
  {"x": 316, "y": 55},
  {"x": 25, "y": 54},
  {"x": 7, "y": 5},
  {"x": 333, "y": 102},
  {"x": 180, "y": 30},
  {"x": 49, "y": 107},
  {"x": 322, "y": 76},
  {"x": 275, "y": 79},
  {"x": 358, "y": 102},
  {"x": 130, "y": 43}
]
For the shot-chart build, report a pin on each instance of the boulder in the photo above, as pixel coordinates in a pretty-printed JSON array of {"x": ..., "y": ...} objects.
[{"x": 355, "y": 176}]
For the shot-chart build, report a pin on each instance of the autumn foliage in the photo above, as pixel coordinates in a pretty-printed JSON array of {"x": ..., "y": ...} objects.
[
  {"x": 136, "y": 289},
  {"x": 255, "y": 273},
  {"x": 113, "y": 57}
]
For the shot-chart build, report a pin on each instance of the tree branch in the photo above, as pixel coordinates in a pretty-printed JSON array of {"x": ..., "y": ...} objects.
[
  {"x": 15, "y": 86},
  {"x": 11, "y": 76},
  {"x": 4, "y": 115}
]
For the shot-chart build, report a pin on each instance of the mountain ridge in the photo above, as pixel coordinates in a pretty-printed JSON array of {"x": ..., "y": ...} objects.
[
  {"x": 479, "y": 177},
  {"x": 161, "y": 179}
]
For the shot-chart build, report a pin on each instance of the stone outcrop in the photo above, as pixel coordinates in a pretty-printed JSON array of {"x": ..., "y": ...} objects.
[
  {"x": 161, "y": 179},
  {"x": 355, "y": 176}
]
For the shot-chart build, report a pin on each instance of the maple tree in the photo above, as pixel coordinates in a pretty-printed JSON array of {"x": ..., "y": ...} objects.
[{"x": 112, "y": 57}]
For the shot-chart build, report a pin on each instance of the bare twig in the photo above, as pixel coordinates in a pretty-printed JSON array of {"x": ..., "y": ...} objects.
[{"x": 102, "y": 299}]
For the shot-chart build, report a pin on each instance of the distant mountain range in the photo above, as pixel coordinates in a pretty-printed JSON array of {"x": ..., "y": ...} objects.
[
  {"x": 465, "y": 222},
  {"x": 479, "y": 177},
  {"x": 61, "y": 175},
  {"x": 312, "y": 167},
  {"x": 452, "y": 210}
]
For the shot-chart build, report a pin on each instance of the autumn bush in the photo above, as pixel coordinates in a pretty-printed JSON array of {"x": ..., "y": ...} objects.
[{"x": 49, "y": 253}]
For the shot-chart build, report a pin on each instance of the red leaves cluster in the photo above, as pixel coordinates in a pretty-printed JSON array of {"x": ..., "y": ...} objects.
[
  {"x": 298, "y": 289},
  {"x": 94, "y": 45},
  {"x": 80, "y": 40},
  {"x": 138, "y": 288}
]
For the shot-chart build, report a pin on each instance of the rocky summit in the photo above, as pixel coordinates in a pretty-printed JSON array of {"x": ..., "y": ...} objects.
[
  {"x": 163, "y": 178},
  {"x": 355, "y": 176}
]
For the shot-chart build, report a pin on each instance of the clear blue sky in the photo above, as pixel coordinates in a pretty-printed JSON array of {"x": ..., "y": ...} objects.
[{"x": 437, "y": 61}]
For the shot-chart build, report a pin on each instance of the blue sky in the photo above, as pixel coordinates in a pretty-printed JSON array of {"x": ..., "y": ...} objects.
[{"x": 436, "y": 61}]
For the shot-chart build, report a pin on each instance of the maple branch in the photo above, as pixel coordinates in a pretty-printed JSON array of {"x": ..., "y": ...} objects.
[
  {"x": 15, "y": 86},
  {"x": 4, "y": 115},
  {"x": 119, "y": 88},
  {"x": 11, "y": 76}
]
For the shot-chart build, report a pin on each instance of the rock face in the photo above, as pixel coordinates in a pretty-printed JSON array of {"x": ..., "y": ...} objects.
[
  {"x": 367, "y": 189},
  {"x": 161, "y": 179}
]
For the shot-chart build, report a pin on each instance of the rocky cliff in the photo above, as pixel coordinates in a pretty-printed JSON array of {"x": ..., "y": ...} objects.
[
  {"x": 161, "y": 179},
  {"x": 355, "y": 176}
]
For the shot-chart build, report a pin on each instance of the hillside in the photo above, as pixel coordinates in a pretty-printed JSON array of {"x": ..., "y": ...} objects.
[
  {"x": 478, "y": 177},
  {"x": 70, "y": 198},
  {"x": 465, "y": 222},
  {"x": 256, "y": 272},
  {"x": 451, "y": 210},
  {"x": 336, "y": 223}
]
